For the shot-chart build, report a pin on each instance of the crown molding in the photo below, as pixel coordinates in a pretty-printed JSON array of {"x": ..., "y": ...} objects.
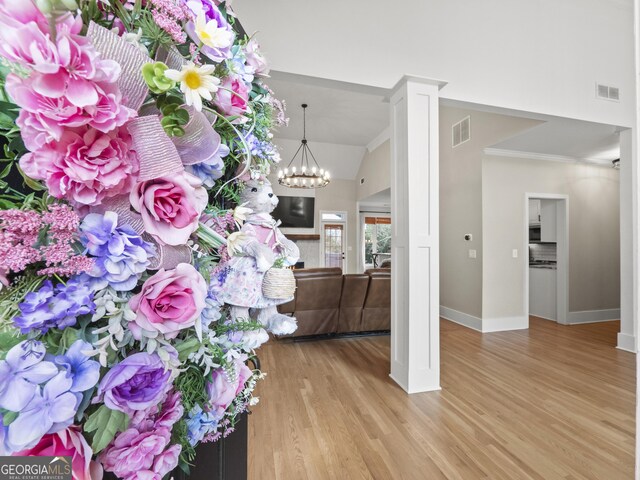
[
  {"x": 501, "y": 152},
  {"x": 379, "y": 139}
]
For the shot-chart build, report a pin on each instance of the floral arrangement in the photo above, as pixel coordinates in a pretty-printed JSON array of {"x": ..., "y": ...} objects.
[{"x": 127, "y": 129}]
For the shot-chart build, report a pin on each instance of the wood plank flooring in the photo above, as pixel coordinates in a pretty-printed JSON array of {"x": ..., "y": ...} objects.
[{"x": 551, "y": 402}]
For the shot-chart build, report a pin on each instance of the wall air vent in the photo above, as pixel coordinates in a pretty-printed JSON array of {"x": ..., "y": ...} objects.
[
  {"x": 461, "y": 132},
  {"x": 608, "y": 93}
]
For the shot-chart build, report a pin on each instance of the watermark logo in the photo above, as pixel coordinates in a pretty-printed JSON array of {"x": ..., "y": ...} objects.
[{"x": 35, "y": 468}]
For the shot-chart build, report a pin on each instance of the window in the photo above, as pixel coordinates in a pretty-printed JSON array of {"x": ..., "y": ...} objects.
[{"x": 377, "y": 240}]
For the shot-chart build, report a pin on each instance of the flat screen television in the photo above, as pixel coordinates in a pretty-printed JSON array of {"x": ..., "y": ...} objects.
[{"x": 295, "y": 212}]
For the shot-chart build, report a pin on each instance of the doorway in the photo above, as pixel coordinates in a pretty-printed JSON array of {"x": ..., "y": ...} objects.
[
  {"x": 546, "y": 266},
  {"x": 333, "y": 233}
]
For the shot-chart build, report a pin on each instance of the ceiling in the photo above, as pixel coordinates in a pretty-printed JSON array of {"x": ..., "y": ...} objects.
[
  {"x": 573, "y": 139},
  {"x": 343, "y": 118},
  {"x": 338, "y": 112}
]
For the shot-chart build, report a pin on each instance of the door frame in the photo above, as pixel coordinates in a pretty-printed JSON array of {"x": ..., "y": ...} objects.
[
  {"x": 344, "y": 222},
  {"x": 361, "y": 227},
  {"x": 562, "y": 231}
]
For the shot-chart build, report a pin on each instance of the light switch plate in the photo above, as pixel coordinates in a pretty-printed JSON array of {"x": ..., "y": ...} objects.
[
  {"x": 472, "y": 253},
  {"x": 514, "y": 253}
]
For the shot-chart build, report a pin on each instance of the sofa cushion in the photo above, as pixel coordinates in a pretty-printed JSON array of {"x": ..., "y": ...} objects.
[
  {"x": 376, "y": 314},
  {"x": 354, "y": 292}
]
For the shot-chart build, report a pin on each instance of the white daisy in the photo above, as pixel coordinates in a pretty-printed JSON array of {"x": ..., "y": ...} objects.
[
  {"x": 210, "y": 34},
  {"x": 195, "y": 82}
]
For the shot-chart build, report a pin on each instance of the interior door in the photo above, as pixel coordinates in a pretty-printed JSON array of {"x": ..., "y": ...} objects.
[{"x": 333, "y": 245}]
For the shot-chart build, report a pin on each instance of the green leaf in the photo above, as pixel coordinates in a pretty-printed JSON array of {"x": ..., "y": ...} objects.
[
  {"x": 6, "y": 171},
  {"x": 106, "y": 423},
  {"x": 9, "y": 417},
  {"x": 182, "y": 116},
  {"x": 32, "y": 184}
]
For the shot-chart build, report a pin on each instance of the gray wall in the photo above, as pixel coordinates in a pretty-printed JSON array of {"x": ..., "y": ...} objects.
[
  {"x": 594, "y": 231},
  {"x": 461, "y": 204}
]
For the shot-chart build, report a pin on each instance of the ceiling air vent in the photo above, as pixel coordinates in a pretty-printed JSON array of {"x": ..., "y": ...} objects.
[
  {"x": 607, "y": 92},
  {"x": 461, "y": 132}
]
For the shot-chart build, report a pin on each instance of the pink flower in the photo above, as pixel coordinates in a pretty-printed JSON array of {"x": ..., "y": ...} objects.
[
  {"x": 170, "y": 301},
  {"x": 144, "y": 475},
  {"x": 167, "y": 460},
  {"x": 232, "y": 97},
  {"x": 255, "y": 58},
  {"x": 132, "y": 451},
  {"x": 170, "y": 206},
  {"x": 68, "y": 443},
  {"x": 85, "y": 166},
  {"x": 222, "y": 390},
  {"x": 45, "y": 118}
]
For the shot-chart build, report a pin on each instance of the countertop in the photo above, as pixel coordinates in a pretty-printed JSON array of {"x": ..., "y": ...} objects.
[{"x": 546, "y": 264}]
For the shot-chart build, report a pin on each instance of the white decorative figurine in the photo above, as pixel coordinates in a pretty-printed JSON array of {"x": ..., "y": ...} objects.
[{"x": 258, "y": 254}]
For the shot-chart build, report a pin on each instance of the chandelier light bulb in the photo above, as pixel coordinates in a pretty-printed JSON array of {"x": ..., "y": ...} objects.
[
  {"x": 286, "y": 171},
  {"x": 304, "y": 169},
  {"x": 314, "y": 170},
  {"x": 293, "y": 169}
]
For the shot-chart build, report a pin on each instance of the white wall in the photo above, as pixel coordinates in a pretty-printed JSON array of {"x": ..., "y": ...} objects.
[
  {"x": 542, "y": 56},
  {"x": 461, "y": 204},
  {"x": 375, "y": 168},
  {"x": 594, "y": 232}
]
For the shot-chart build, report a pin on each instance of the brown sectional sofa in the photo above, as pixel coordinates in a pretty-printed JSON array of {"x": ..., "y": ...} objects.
[{"x": 328, "y": 302}]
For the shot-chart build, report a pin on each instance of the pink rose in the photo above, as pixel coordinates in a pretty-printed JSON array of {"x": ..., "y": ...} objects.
[
  {"x": 85, "y": 166},
  {"x": 170, "y": 206},
  {"x": 68, "y": 443},
  {"x": 170, "y": 301},
  {"x": 132, "y": 451},
  {"x": 232, "y": 97},
  {"x": 167, "y": 460},
  {"x": 222, "y": 390}
]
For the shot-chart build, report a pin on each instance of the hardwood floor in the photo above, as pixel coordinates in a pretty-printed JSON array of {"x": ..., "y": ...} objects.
[{"x": 551, "y": 402}]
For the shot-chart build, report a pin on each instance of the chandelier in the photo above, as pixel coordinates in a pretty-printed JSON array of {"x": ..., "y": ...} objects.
[{"x": 307, "y": 175}]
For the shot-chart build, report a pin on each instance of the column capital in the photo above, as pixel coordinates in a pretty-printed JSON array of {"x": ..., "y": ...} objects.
[{"x": 417, "y": 79}]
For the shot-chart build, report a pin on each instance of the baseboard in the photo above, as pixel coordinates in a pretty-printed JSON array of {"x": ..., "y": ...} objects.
[
  {"x": 461, "y": 318},
  {"x": 626, "y": 342},
  {"x": 593, "y": 316},
  {"x": 504, "y": 324}
]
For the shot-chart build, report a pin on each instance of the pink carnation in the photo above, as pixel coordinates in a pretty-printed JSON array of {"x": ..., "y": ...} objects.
[
  {"x": 133, "y": 451},
  {"x": 68, "y": 443},
  {"x": 85, "y": 166},
  {"x": 45, "y": 118},
  {"x": 170, "y": 301},
  {"x": 170, "y": 206},
  {"x": 232, "y": 97}
]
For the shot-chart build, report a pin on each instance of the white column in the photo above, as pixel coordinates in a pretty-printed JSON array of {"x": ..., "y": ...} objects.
[
  {"x": 626, "y": 337},
  {"x": 415, "y": 328}
]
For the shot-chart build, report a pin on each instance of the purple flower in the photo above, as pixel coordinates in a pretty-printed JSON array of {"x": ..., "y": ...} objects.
[
  {"x": 52, "y": 307},
  {"x": 51, "y": 410},
  {"x": 200, "y": 424},
  {"x": 83, "y": 371},
  {"x": 262, "y": 149},
  {"x": 212, "y": 168},
  {"x": 121, "y": 254},
  {"x": 21, "y": 372},
  {"x": 137, "y": 383}
]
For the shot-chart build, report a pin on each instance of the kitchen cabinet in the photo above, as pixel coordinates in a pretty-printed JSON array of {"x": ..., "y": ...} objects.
[
  {"x": 548, "y": 216},
  {"x": 534, "y": 211},
  {"x": 543, "y": 292}
]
